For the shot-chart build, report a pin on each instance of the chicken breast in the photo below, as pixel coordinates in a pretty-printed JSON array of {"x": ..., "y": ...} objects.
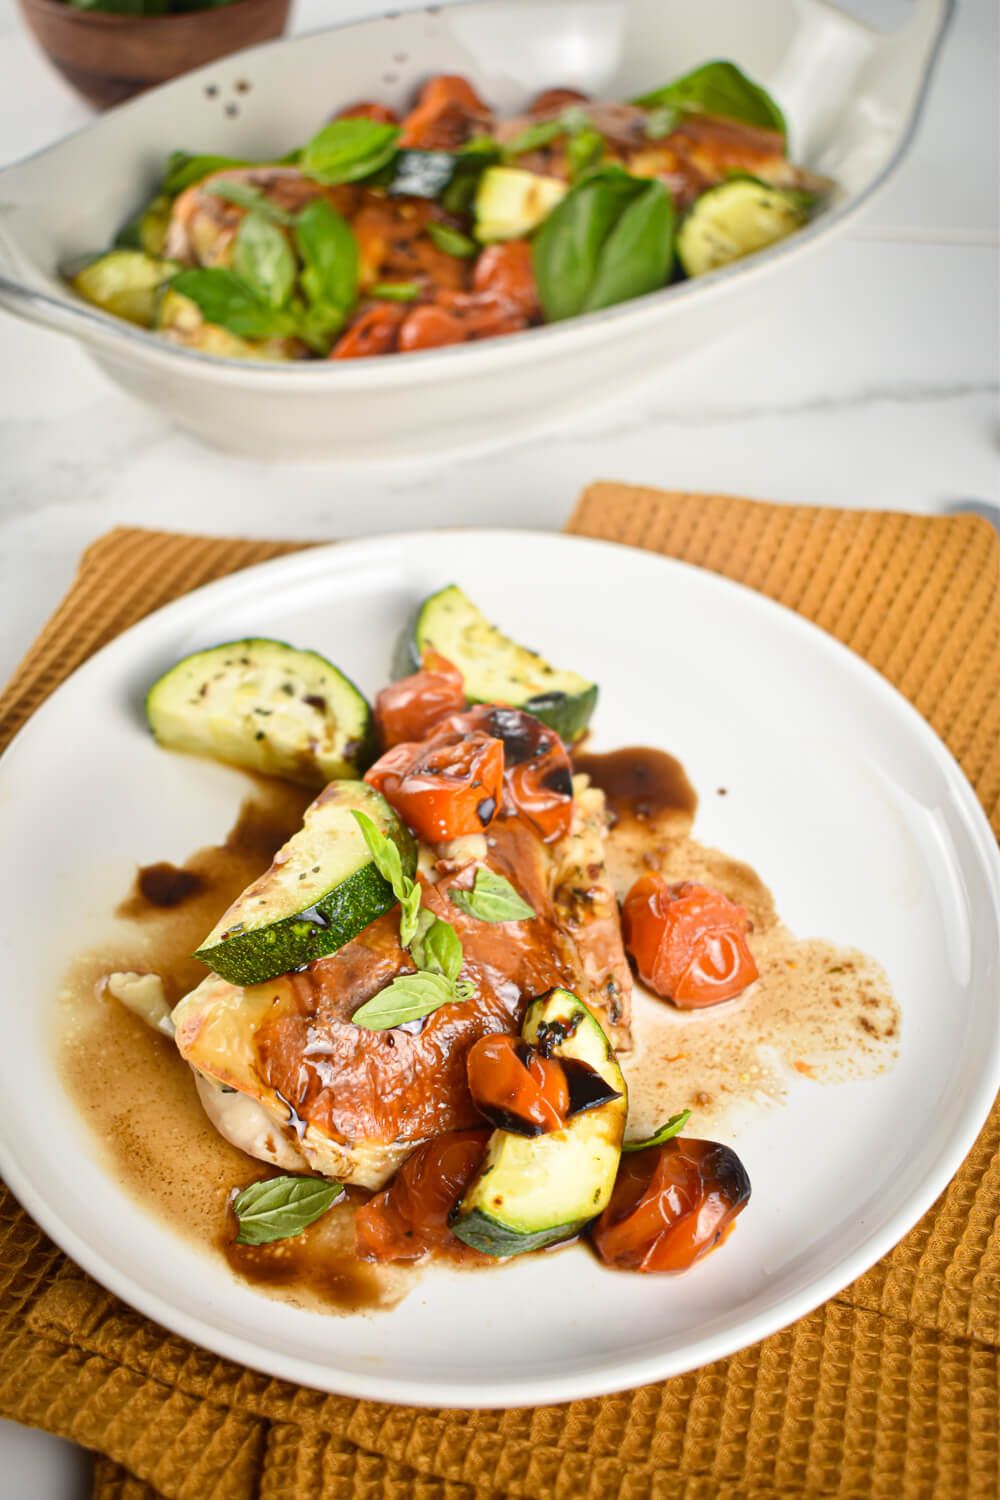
[{"x": 286, "y": 1075}]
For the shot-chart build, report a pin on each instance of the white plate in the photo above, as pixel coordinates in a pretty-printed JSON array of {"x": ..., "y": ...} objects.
[
  {"x": 838, "y": 794},
  {"x": 852, "y": 95}
]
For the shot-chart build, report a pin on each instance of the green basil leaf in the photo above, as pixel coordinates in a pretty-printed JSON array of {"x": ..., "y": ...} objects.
[
  {"x": 183, "y": 169},
  {"x": 451, "y": 241},
  {"x": 385, "y": 854},
  {"x": 483, "y": 146},
  {"x": 637, "y": 255},
  {"x": 406, "y": 999},
  {"x": 329, "y": 251},
  {"x": 422, "y": 174},
  {"x": 566, "y": 250},
  {"x": 396, "y": 291},
  {"x": 280, "y": 1207},
  {"x": 245, "y": 195},
  {"x": 533, "y": 137},
  {"x": 410, "y": 912},
  {"x": 673, "y": 1127},
  {"x": 584, "y": 150},
  {"x": 491, "y": 899},
  {"x": 571, "y": 121},
  {"x": 348, "y": 150},
  {"x": 660, "y": 121},
  {"x": 437, "y": 950},
  {"x": 319, "y": 324},
  {"x": 224, "y": 298},
  {"x": 719, "y": 88},
  {"x": 263, "y": 258},
  {"x": 667, "y": 1131}
]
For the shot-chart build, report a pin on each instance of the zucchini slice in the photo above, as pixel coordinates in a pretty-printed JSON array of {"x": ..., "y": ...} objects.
[
  {"x": 495, "y": 668},
  {"x": 148, "y": 230},
  {"x": 510, "y": 202},
  {"x": 321, "y": 891},
  {"x": 422, "y": 174},
  {"x": 180, "y": 320},
  {"x": 735, "y": 219},
  {"x": 533, "y": 1191},
  {"x": 125, "y": 283},
  {"x": 266, "y": 706}
]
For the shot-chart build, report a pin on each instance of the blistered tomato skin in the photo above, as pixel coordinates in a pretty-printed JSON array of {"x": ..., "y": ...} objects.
[
  {"x": 671, "y": 1206},
  {"x": 447, "y": 113},
  {"x": 515, "y": 1087},
  {"x": 505, "y": 271},
  {"x": 376, "y": 331},
  {"x": 409, "y": 1218},
  {"x": 538, "y": 778},
  {"x": 445, "y": 787},
  {"x": 410, "y": 708},
  {"x": 689, "y": 943},
  {"x": 368, "y": 109},
  {"x": 430, "y": 327}
]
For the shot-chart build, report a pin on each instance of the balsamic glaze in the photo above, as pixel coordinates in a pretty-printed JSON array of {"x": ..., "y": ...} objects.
[
  {"x": 164, "y": 885},
  {"x": 639, "y": 782},
  {"x": 587, "y": 1089}
]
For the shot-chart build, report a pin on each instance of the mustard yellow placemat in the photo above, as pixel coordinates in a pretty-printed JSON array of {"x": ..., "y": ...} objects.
[{"x": 891, "y": 1389}]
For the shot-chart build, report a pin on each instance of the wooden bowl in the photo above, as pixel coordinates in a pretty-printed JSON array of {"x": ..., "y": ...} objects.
[{"x": 108, "y": 58}]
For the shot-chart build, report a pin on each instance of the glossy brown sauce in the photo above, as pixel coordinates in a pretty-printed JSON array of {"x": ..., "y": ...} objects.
[
  {"x": 818, "y": 1013},
  {"x": 318, "y": 1268},
  {"x": 138, "y": 1095},
  {"x": 639, "y": 783}
]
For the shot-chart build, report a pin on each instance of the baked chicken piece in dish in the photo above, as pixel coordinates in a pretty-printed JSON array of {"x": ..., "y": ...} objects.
[
  {"x": 427, "y": 992},
  {"x": 284, "y": 1072}
]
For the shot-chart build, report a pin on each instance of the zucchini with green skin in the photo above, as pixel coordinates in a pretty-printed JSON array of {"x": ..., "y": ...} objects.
[
  {"x": 534, "y": 1191},
  {"x": 495, "y": 668},
  {"x": 148, "y": 230},
  {"x": 267, "y": 706},
  {"x": 322, "y": 889},
  {"x": 734, "y": 219},
  {"x": 510, "y": 202},
  {"x": 421, "y": 174},
  {"x": 181, "y": 321},
  {"x": 125, "y": 283}
]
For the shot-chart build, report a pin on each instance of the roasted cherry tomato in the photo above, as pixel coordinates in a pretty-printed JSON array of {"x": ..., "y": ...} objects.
[
  {"x": 443, "y": 787},
  {"x": 410, "y": 1217},
  {"x": 551, "y": 100},
  {"x": 505, "y": 271},
  {"x": 689, "y": 942},
  {"x": 515, "y": 1087},
  {"x": 447, "y": 113},
  {"x": 410, "y": 708},
  {"x": 431, "y": 327},
  {"x": 671, "y": 1205},
  {"x": 367, "y": 109},
  {"x": 538, "y": 781},
  {"x": 376, "y": 331},
  {"x": 459, "y": 317}
]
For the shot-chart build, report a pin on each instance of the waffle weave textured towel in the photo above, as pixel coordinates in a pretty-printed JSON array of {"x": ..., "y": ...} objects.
[{"x": 892, "y": 1389}]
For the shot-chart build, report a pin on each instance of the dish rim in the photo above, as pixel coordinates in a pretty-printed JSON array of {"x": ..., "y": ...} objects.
[
  {"x": 105, "y": 331},
  {"x": 596, "y": 1379}
]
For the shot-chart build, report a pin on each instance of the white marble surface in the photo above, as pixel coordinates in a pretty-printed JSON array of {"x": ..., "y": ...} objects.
[{"x": 875, "y": 385}]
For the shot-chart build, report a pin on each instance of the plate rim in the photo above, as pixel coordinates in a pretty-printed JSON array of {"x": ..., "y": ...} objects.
[{"x": 595, "y": 1378}]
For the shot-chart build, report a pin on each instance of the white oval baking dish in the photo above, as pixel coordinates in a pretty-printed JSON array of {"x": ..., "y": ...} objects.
[{"x": 851, "y": 94}]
